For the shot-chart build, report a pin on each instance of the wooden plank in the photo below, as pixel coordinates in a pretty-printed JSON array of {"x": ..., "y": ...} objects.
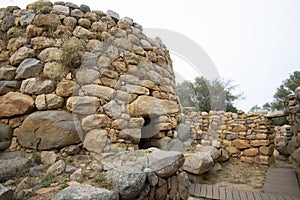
[
  {"x": 209, "y": 193},
  {"x": 279, "y": 197},
  {"x": 215, "y": 192},
  {"x": 281, "y": 190},
  {"x": 250, "y": 195},
  {"x": 228, "y": 193},
  {"x": 282, "y": 182},
  {"x": 285, "y": 179},
  {"x": 235, "y": 195},
  {"x": 257, "y": 196},
  {"x": 243, "y": 195},
  {"x": 281, "y": 173},
  {"x": 192, "y": 189},
  {"x": 203, "y": 190},
  {"x": 264, "y": 196},
  {"x": 271, "y": 196},
  {"x": 295, "y": 198},
  {"x": 197, "y": 192},
  {"x": 288, "y": 197},
  {"x": 222, "y": 193}
]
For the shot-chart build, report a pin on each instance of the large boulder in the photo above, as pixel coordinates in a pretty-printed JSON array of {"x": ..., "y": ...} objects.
[
  {"x": 214, "y": 153},
  {"x": 198, "y": 163},
  {"x": 6, "y": 193},
  {"x": 12, "y": 166},
  {"x": 5, "y": 136},
  {"x": 175, "y": 145},
  {"x": 165, "y": 163},
  {"x": 47, "y": 130},
  {"x": 82, "y": 191},
  {"x": 128, "y": 181},
  {"x": 183, "y": 132},
  {"x": 15, "y": 103}
]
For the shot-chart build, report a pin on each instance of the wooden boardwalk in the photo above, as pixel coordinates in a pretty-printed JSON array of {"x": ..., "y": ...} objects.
[
  {"x": 215, "y": 192},
  {"x": 281, "y": 184},
  {"x": 282, "y": 181}
]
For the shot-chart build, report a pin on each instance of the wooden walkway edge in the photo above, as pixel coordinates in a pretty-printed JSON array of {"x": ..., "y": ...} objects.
[
  {"x": 281, "y": 184},
  {"x": 282, "y": 181},
  {"x": 215, "y": 192}
]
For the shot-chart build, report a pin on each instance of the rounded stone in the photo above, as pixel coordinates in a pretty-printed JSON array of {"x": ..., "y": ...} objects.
[{"x": 46, "y": 130}]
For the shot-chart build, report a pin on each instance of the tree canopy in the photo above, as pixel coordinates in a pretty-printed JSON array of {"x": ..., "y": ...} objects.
[
  {"x": 287, "y": 87},
  {"x": 207, "y": 95}
]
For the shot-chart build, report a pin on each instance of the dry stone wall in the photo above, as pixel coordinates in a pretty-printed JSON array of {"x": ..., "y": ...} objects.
[
  {"x": 249, "y": 137},
  {"x": 61, "y": 63},
  {"x": 292, "y": 147}
]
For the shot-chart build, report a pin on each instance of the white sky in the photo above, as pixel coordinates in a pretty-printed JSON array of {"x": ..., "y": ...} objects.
[{"x": 256, "y": 43}]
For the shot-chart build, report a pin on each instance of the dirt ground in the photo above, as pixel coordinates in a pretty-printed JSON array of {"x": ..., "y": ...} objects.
[{"x": 238, "y": 175}]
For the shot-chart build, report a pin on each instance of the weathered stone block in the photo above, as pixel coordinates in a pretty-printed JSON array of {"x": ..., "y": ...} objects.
[
  {"x": 267, "y": 150},
  {"x": 241, "y": 144},
  {"x": 248, "y": 159},
  {"x": 96, "y": 141},
  {"x": 257, "y": 143},
  {"x": 65, "y": 88},
  {"x": 47, "y": 130},
  {"x": 261, "y": 159},
  {"x": 165, "y": 163},
  {"x": 83, "y": 105},
  {"x": 198, "y": 163},
  {"x": 95, "y": 122},
  {"x": 14, "y": 103},
  {"x": 250, "y": 152},
  {"x": 232, "y": 150}
]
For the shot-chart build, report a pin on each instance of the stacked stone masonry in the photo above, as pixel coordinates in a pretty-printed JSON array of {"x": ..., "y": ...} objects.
[
  {"x": 60, "y": 63},
  {"x": 250, "y": 137},
  {"x": 292, "y": 109},
  {"x": 70, "y": 77}
]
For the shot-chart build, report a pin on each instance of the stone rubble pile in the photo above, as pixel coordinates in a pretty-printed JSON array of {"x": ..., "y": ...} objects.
[
  {"x": 249, "y": 137},
  {"x": 141, "y": 174}
]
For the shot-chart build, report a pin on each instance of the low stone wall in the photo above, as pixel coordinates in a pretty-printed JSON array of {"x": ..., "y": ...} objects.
[{"x": 247, "y": 136}]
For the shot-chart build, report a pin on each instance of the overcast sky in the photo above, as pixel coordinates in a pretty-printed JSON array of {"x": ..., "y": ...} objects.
[{"x": 256, "y": 43}]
